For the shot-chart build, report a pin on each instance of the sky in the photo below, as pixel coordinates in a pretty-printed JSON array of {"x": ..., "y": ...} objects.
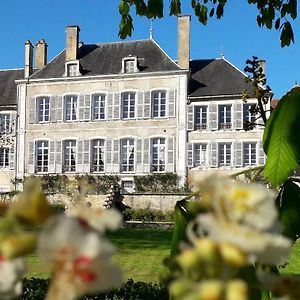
[{"x": 236, "y": 34}]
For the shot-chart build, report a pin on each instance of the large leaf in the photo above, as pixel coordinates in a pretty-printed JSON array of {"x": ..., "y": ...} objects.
[
  {"x": 282, "y": 138},
  {"x": 288, "y": 203}
]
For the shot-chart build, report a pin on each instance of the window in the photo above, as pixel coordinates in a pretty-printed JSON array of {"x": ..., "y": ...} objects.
[
  {"x": 127, "y": 155},
  {"x": 98, "y": 156},
  {"x": 158, "y": 155},
  {"x": 98, "y": 107},
  {"x": 72, "y": 70},
  {"x": 4, "y": 157},
  {"x": 200, "y": 117},
  {"x": 249, "y": 154},
  {"x": 225, "y": 116},
  {"x": 42, "y": 156},
  {"x": 247, "y": 115},
  {"x": 158, "y": 104},
  {"x": 127, "y": 186},
  {"x": 129, "y": 65},
  {"x": 71, "y": 108},
  {"x": 128, "y": 105},
  {"x": 43, "y": 109},
  {"x": 69, "y": 156},
  {"x": 224, "y": 154},
  {"x": 200, "y": 154},
  {"x": 5, "y": 126}
]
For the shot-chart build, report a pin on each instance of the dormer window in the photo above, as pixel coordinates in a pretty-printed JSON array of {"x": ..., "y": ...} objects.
[
  {"x": 129, "y": 65},
  {"x": 72, "y": 68}
]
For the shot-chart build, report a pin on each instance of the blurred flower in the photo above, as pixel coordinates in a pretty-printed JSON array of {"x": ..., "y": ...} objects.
[
  {"x": 81, "y": 259},
  {"x": 11, "y": 274}
]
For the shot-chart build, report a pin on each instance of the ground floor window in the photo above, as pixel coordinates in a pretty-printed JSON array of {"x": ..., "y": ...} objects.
[
  {"x": 42, "y": 156},
  {"x": 4, "y": 157},
  {"x": 97, "y": 155},
  {"x": 250, "y": 156},
  {"x": 200, "y": 154},
  {"x": 127, "y": 155},
  {"x": 224, "y": 151},
  {"x": 69, "y": 156}
]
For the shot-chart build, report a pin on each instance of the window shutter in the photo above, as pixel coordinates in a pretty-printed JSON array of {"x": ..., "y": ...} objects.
[
  {"x": 79, "y": 166},
  {"x": 58, "y": 157},
  {"x": 12, "y": 158},
  {"x": 190, "y": 117},
  {"x": 53, "y": 113},
  {"x": 146, "y": 157},
  {"x": 52, "y": 157},
  {"x": 86, "y": 156},
  {"x": 87, "y": 107},
  {"x": 172, "y": 103},
  {"x": 116, "y": 156},
  {"x": 108, "y": 155},
  {"x": 140, "y": 105},
  {"x": 31, "y": 158},
  {"x": 109, "y": 106},
  {"x": 170, "y": 155},
  {"x": 81, "y": 107},
  {"x": 13, "y": 124},
  {"x": 214, "y": 154},
  {"x": 147, "y": 105},
  {"x": 59, "y": 109},
  {"x": 238, "y": 115},
  {"x": 139, "y": 161},
  {"x": 213, "y": 124},
  {"x": 117, "y": 105},
  {"x": 261, "y": 153},
  {"x": 238, "y": 154},
  {"x": 32, "y": 110},
  {"x": 190, "y": 155}
]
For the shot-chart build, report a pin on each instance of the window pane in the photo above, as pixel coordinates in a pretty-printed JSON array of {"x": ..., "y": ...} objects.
[
  {"x": 42, "y": 154},
  {"x": 4, "y": 157},
  {"x": 249, "y": 154},
  {"x": 43, "y": 109},
  {"x": 5, "y": 126},
  {"x": 69, "y": 156},
  {"x": 158, "y": 104},
  {"x": 224, "y": 154},
  {"x": 98, "y": 107},
  {"x": 225, "y": 116},
  {"x": 71, "y": 108},
  {"x": 98, "y": 156},
  {"x": 128, "y": 105},
  {"x": 127, "y": 155},
  {"x": 200, "y": 154},
  {"x": 200, "y": 117},
  {"x": 158, "y": 163}
]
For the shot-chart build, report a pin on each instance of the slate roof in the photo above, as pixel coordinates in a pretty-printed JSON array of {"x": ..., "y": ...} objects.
[
  {"x": 8, "y": 87},
  {"x": 105, "y": 59},
  {"x": 215, "y": 77}
]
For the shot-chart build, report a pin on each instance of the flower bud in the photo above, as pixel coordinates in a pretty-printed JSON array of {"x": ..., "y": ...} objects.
[
  {"x": 211, "y": 290},
  {"x": 236, "y": 290},
  {"x": 206, "y": 249},
  {"x": 232, "y": 255},
  {"x": 180, "y": 288},
  {"x": 188, "y": 259}
]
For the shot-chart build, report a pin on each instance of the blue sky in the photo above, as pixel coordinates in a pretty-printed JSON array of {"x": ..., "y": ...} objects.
[{"x": 236, "y": 34}]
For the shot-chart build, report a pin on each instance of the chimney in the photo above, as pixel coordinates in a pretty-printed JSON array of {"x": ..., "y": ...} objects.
[
  {"x": 72, "y": 42},
  {"x": 184, "y": 41},
  {"x": 28, "y": 59},
  {"x": 262, "y": 65},
  {"x": 40, "y": 54}
]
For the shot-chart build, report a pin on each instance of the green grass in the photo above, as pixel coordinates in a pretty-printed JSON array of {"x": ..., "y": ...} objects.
[
  {"x": 140, "y": 254},
  {"x": 293, "y": 264}
]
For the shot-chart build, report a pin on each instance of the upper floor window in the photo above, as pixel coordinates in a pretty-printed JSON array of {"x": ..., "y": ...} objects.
[
  {"x": 200, "y": 117},
  {"x": 98, "y": 107},
  {"x": 200, "y": 154},
  {"x": 128, "y": 105},
  {"x": 224, "y": 150},
  {"x": 5, "y": 124},
  {"x": 248, "y": 116},
  {"x": 42, "y": 156},
  {"x": 158, "y": 104},
  {"x": 69, "y": 156},
  {"x": 72, "y": 69},
  {"x": 158, "y": 157},
  {"x": 129, "y": 65},
  {"x": 224, "y": 116},
  {"x": 4, "y": 157},
  {"x": 71, "y": 108},
  {"x": 97, "y": 155},
  {"x": 249, "y": 150},
  {"x": 127, "y": 155},
  {"x": 43, "y": 109}
]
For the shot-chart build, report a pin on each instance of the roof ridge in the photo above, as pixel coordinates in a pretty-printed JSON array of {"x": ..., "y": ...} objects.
[
  {"x": 16, "y": 69},
  {"x": 119, "y": 42}
]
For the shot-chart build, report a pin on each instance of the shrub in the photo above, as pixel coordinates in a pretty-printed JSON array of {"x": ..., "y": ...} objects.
[{"x": 148, "y": 215}]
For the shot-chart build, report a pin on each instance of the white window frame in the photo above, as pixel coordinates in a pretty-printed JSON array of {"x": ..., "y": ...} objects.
[
  {"x": 42, "y": 156},
  {"x": 158, "y": 154},
  {"x": 129, "y": 65},
  {"x": 5, "y": 123},
  {"x": 225, "y": 116},
  {"x": 69, "y": 156},
  {"x": 74, "y": 64},
  {"x": 71, "y": 113},
  {"x": 43, "y": 109},
  {"x": 247, "y": 116},
  {"x": 200, "y": 117},
  {"x": 128, "y": 105},
  {"x": 98, "y": 155},
  {"x": 159, "y": 104},
  {"x": 127, "y": 160},
  {"x": 4, "y": 157},
  {"x": 200, "y": 154},
  {"x": 250, "y": 153},
  {"x": 225, "y": 154},
  {"x": 99, "y": 110}
]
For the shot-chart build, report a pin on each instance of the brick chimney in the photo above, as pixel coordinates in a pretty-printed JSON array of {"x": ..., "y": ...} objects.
[
  {"x": 184, "y": 41},
  {"x": 72, "y": 42},
  {"x": 40, "y": 54},
  {"x": 28, "y": 59}
]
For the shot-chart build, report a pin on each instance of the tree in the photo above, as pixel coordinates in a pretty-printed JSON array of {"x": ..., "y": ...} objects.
[{"x": 276, "y": 14}]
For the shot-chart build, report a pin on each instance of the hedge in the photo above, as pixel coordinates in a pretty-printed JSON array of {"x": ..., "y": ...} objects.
[{"x": 148, "y": 215}]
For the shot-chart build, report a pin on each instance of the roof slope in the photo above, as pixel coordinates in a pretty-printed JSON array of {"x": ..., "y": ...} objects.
[
  {"x": 106, "y": 59},
  {"x": 8, "y": 87},
  {"x": 215, "y": 77}
]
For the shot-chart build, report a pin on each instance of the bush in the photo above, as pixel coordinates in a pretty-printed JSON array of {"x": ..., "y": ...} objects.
[
  {"x": 35, "y": 289},
  {"x": 148, "y": 215}
]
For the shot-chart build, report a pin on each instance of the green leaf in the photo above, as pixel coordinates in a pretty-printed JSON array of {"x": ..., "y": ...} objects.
[
  {"x": 282, "y": 138},
  {"x": 288, "y": 204}
]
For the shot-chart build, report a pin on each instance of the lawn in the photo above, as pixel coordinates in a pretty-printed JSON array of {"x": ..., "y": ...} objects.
[{"x": 140, "y": 254}]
